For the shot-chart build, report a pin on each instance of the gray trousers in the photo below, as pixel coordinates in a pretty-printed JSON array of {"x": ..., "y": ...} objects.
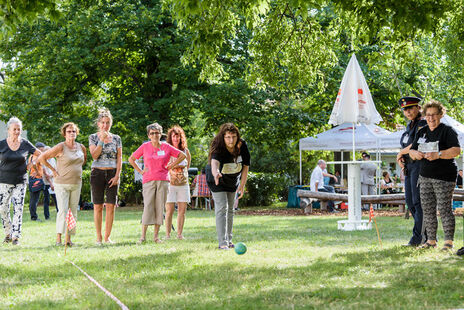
[
  {"x": 437, "y": 194},
  {"x": 367, "y": 189},
  {"x": 224, "y": 210}
]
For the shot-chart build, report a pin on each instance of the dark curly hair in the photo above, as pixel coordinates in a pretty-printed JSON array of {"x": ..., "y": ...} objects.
[
  {"x": 219, "y": 146},
  {"x": 176, "y": 129}
]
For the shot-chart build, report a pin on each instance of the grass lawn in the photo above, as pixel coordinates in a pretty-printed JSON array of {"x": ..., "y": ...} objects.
[{"x": 292, "y": 262}]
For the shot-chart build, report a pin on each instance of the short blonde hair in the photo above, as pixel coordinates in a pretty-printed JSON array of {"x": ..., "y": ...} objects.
[
  {"x": 66, "y": 125},
  {"x": 434, "y": 104}
]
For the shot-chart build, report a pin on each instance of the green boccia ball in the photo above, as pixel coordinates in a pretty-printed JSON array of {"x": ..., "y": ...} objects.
[{"x": 240, "y": 248}]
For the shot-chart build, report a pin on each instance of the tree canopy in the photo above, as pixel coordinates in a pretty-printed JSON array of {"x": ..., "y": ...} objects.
[
  {"x": 272, "y": 67},
  {"x": 293, "y": 43},
  {"x": 13, "y": 12}
]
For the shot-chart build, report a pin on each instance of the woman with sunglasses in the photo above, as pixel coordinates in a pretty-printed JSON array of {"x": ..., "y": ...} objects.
[
  {"x": 155, "y": 177},
  {"x": 70, "y": 157}
]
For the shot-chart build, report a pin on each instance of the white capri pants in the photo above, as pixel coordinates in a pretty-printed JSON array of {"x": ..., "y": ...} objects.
[{"x": 67, "y": 196}]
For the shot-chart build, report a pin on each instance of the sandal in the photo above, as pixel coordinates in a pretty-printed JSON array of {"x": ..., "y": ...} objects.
[
  {"x": 447, "y": 247},
  {"x": 231, "y": 245},
  {"x": 428, "y": 246},
  {"x": 58, "y": 244},
  {"x": 141, "y": 241},
  {"x": 69, "y": 244},
  {"x": 223, "y": 247},
  {"x": 7, "y": 239}
]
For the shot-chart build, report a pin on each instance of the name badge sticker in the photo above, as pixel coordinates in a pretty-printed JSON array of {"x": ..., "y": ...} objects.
[
  {"x": 421, "y": 140},
  {"x": 161, "y": 153},
  {"x": 405, "y": 139},
  {"x": 239, "y": 159}
]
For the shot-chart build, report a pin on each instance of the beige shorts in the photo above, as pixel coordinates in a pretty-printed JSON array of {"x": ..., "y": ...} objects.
[
  {"x": 178, "y": 193},
  {"x": 154, "y": 199}
]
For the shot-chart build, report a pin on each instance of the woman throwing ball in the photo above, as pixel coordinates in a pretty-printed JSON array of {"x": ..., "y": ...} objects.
[{"x": 229, "y": 162}]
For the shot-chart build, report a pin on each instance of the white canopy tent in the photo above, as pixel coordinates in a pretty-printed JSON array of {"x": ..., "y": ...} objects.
[
  {"x": 457, "y": 126},
  {"x": 368, "y": 137}
]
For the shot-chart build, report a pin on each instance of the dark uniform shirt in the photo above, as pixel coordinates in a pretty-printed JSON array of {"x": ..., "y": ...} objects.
[
  {"x": 410, "y": 133},
  {"x": 459, "y": 181}
]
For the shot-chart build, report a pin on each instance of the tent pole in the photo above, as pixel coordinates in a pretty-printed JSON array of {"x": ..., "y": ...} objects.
[
  {"x": 341, "y": 169},
  {"x": 379, "y": 171},
  {"x": 301, "y": 171}
]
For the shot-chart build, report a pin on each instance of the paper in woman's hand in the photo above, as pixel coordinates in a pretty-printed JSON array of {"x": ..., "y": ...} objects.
[{"x": 428, "y": 147}]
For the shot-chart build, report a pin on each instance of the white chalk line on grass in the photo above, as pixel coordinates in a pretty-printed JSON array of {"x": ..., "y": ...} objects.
[{"x": 114, "y": 298}]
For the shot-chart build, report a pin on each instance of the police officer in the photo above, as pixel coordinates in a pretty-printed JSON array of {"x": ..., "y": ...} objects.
[{"x": 411, "y": 110}]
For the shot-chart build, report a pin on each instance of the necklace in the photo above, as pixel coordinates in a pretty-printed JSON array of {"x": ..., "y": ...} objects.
[{"x": 13, "y": 145}]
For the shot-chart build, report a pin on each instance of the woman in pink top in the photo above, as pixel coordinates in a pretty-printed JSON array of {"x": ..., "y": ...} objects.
[{"x": 155, "y": 177}]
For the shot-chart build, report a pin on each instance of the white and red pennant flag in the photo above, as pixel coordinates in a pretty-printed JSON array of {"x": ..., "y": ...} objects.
[
  {"x": 371, "y": 213},
  {"x": 70, "y": 220}
]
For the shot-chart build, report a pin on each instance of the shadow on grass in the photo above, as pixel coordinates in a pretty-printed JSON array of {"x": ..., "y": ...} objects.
[
  {"x": 344, "y": 280},
  {"x": 62, "y": 271},
  {"x": 395, "y": 277}
]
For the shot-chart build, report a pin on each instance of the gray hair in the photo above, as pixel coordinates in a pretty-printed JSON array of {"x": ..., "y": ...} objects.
[
  {"x": 320, "y": 162},
  {"x": 14, "y": 120},
  {"x": 154, "y": 126},
  {"x": 104, "y": 112},
  {"x": 434, "y": 104}
]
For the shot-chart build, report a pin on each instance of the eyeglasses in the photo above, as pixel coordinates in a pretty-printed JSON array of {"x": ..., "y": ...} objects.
[
  {"x": 154, "y": 133},
  {"x": 431, "y": 115}
]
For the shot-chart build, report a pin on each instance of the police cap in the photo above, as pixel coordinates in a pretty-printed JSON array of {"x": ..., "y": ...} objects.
[{"x": 407, "y": 102}]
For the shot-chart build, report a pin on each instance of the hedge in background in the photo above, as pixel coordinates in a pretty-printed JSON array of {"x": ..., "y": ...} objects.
[
  {"x": 263, "y": 189},
  {"x": 129, "y": 190}
]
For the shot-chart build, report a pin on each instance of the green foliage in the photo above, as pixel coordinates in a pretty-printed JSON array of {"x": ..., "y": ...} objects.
[
  {"x": 291, "y": 45},
  {"x": 85, "y": 190},
  {"x": 118, "y": 54},
  {"x": 13, "y": 12},
  {"x": 129, "y": 190},
  {"x": 271, "y": 67},
  {"x": 263, "y": 189}
]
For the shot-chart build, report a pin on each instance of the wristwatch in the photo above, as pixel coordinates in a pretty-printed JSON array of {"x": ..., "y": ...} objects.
[{"x": 439, "y": 154}]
